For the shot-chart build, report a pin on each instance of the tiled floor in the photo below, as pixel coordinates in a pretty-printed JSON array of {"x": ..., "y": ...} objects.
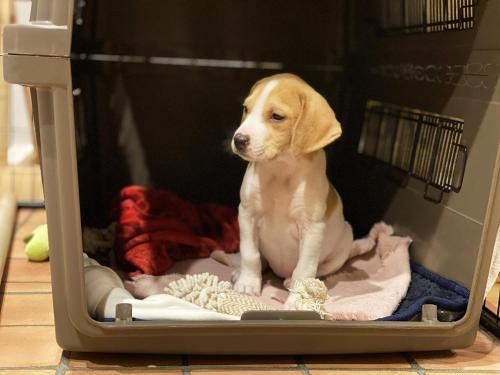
[{"x": 28, "y": 346}]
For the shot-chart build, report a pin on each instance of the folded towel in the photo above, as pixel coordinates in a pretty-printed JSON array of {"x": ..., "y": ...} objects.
[
  {"x": 371, "y": 286},
  {"x": 156, "y": 228}
]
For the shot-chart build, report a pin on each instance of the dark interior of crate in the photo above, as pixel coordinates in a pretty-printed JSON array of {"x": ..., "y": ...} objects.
[{"x": 172, "y": 76}]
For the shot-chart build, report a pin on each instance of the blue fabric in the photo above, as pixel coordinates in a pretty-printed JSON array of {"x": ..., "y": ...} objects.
[{"x": 427, "y": 287}]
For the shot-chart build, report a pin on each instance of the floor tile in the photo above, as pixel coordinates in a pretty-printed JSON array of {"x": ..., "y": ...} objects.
[
  {"x": 243, "y": 361},
  {"x": 17, "y": 249},
  {"x": 246, "y": 372},
  {"x": 484, "y": 354},
  {"x": 105, "y": 360},
  {"x": 26, "y": 309},
  {"x": 367, "y": 372},
  {"x": 22, "y": 214},
  {"x": 25, "y": 271},
  {"x": 28, "y": 346},
  {"x": 40, "y": 287},
  {"x": 127, "y": 372},
  {"x": 365, "y": 361}
]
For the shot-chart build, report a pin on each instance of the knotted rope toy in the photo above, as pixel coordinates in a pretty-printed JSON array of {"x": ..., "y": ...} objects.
[
  {"x": 310, "y": 294},
  {"x": 207, "y": 291}
]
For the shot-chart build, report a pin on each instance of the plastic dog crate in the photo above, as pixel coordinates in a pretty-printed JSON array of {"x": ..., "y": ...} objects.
[{"x": 179, "y": 71}]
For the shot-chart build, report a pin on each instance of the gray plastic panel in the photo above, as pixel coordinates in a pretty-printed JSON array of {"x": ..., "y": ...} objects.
[
  {"x": 444, "y": 241},
  {"x": 472, "y": 74}
]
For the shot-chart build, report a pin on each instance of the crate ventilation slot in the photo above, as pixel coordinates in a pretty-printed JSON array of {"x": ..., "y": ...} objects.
[
  {"x": 426, "y": 16},
  {"x": 420, "y": 144}
]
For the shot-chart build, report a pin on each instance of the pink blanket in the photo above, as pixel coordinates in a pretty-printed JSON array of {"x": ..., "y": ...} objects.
[{"x": 367, "y": 287}]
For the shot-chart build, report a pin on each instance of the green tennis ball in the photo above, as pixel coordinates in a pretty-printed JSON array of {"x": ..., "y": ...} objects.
[{"x": 37, "y": 245}]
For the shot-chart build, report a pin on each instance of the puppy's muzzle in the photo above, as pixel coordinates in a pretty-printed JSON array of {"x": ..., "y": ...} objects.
[{"x": 241, "y": 142}]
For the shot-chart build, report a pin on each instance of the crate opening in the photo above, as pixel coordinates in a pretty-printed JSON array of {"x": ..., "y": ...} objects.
[
  {"x": 157, "y": 114},
  {"x": 154, "y": 151}
]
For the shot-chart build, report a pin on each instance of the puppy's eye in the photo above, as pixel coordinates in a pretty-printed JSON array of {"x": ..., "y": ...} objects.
[
  {"x": 245, "y": 109},
  {"x": 277, "y": 118}
]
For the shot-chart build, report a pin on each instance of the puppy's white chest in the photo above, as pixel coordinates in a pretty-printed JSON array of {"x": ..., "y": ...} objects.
[
  {"x": 274, "y": 194},
  {"x": 279, "y": 232},
  {"x": 279, "y": 244}
]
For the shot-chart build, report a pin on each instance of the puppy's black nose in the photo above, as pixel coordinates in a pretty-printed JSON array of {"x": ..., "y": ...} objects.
[{"x": 241, "y": 141}]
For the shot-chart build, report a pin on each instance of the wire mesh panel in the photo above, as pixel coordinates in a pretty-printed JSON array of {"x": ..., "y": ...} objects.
[
  {"x": 423, "y": 145},
  {"x": 405, "y": 139},
  {"x": 426, "y": 16}
]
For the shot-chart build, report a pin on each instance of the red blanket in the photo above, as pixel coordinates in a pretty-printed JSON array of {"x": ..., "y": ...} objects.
[{"x": 156, "y": 228}]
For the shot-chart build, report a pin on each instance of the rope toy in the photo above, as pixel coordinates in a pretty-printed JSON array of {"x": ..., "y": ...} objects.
[
  {"x": 207, "y": 291},
  {"x": 310, "y": 294}
]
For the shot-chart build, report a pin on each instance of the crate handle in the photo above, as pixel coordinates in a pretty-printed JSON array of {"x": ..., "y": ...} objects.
[{"x": 464, "y": 151}]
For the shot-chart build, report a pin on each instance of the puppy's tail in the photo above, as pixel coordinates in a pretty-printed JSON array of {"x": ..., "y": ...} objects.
[{"x": 224, "y": 258}]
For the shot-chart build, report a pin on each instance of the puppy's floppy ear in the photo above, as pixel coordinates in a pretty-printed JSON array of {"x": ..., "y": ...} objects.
[{"x": 316, "y": 126}]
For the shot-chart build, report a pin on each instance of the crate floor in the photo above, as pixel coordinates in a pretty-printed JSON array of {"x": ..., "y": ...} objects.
[{"x": 28, "y": 346}]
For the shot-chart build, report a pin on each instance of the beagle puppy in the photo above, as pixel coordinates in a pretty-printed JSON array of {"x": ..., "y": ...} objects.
[{"x": 290, "y": 215}]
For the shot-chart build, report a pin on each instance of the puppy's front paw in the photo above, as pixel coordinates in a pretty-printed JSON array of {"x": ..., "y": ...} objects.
[
  {"x": 291, "y": 302},
  {"x": 248, "y": 284}
]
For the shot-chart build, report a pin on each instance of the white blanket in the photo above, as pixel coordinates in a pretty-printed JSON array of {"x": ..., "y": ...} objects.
[{"x": 104, "y": 290}]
